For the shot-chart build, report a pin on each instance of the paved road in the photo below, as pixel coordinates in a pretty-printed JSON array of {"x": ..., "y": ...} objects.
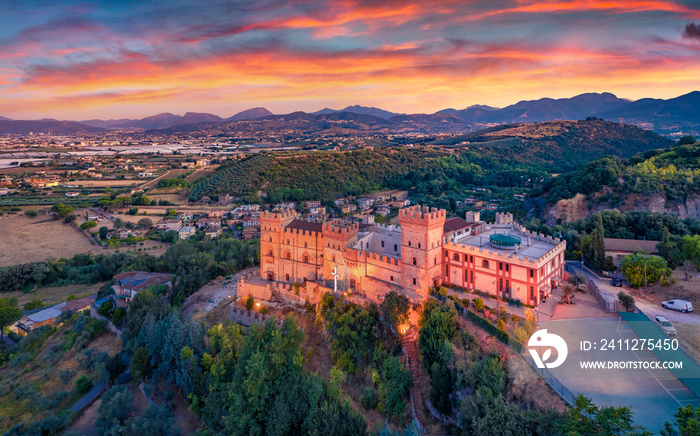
[{"x": 650, "y": 309}]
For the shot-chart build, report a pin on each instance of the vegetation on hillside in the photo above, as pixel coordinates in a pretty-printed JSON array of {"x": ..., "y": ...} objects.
[{"x": 673, "y": 173}]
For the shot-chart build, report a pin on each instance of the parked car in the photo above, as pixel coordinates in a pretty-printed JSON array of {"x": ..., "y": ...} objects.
[
  {"x": 680, "y": 305},
  {"x": 666, "y": 326},
  {"x": 616, "y": 281}
]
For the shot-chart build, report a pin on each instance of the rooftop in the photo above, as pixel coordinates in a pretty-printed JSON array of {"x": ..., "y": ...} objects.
[
  {"x": 139, "y": 280},
  {"x": 630, "y": 245},
  {"x": 530, "y": 247},
  {"x": 305, "y": 225}
]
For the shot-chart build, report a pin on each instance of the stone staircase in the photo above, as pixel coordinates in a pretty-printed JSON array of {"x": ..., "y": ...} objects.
[{"x": 410, "y": 343}]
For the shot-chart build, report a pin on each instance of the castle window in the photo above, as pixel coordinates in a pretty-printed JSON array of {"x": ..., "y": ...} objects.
[
  {"x": 506, "y": 267},
  {"x": 270, "y": 252},
  {"x": 434, "y": 260},
  {"x": 447, "y": 271},
  {"x": 419, "y": 245},
  {"x": 306, "y": 258},
  {"x": 392, "y": 278},
  {"x": 414, "y": 281},
  {"x": 289, "y": 255},
  {"x": 270, "y": 238},
  {"x": 500, "y": 266},
  {"x": 306, "y": 244},
  {"x": 382, "y": 244},
  {"x": 456, "y": 257},
  {"x": 471, "y": 259},
  {"x": 333, "y": 258},
  {"x": 395, "y": 248},
  {"x": 532, "y": 292},
  {"x": 409, "y": 243},
  {"x": 286, "y": 277},
  {"x": 352, "y": 284},
  {"x": 414, "y": 261},
  {"x": 486, "y": 264},
  {"x": 532, "y": 273},
  {"x": 287, "y": 241}
]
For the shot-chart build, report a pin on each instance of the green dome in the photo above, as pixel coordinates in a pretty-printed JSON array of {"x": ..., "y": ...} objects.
[{"x": 504, "y": 240}]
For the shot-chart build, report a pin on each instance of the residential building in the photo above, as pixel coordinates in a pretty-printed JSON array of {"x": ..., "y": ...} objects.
[{"x": 186, "y": 232}]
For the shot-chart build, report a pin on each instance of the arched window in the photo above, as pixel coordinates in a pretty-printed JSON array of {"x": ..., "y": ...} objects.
[
  {"x": 270, "y": 252},
  {"x": 270, "y": 238},
  {"x": 306, "y": 244},
  {"x": 414, "y": 261},
  {"x": 333, "y": 258},
  {"x": 456, "y": 257},
  {"x": 414, "y": 281},
  {"x": 486, "y": 264},
  {"x": 419, "y": 245},
  {"x": 306, "y": 258},
  {"x": 409, "y": 243},
  {"x": 289, "y": 255}
]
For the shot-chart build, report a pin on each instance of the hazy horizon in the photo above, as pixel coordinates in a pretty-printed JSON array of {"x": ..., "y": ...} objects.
[{"x": 81, "y": 60}]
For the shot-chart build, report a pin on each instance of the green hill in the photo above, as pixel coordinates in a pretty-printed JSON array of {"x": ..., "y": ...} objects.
[{"x": 509, "y": 156}]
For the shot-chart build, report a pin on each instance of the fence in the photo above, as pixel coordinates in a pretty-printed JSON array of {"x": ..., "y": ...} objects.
[
  {"x": 552, "y": 381},
  {"x": 608, "y": 302}
]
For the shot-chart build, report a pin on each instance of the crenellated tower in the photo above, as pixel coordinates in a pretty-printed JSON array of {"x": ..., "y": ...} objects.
[
  {"x": 421, "y": 249},
  {"x": 337, "y": 236},
  {"x": 271, "y": 230}
]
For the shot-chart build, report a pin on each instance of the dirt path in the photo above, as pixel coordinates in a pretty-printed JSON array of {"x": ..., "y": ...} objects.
[{"x": 212, "y": 294}]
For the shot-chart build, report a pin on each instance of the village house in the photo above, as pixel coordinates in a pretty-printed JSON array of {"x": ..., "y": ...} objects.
[
  {"x": 312, "y": 204},
  {"x": 169, "y": 224},
  {"x": 186, "y": 232},
  {"x": 130, "y": 283}
]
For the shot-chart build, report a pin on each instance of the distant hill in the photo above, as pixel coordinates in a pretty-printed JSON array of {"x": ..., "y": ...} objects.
[
  {"x": 159, "y": 121},
  {"x": 558, "y": 145},
  {"x": 363, "y": 110},
  {"x": 5, "y": 119},
  {"x": 680, "y": 114},
  {"x": 665, "y": 180},
  {"x": 16, "y": 127},
  {"x": 250, "y": 114},
  {"x": 545, "y": 109}
]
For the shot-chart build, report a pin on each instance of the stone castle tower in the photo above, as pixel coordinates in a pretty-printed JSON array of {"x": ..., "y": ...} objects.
[
  {"x": 421, "y": 247},
  {"x": 337, "y": 235},
  {"x": 271, "y": 237}
]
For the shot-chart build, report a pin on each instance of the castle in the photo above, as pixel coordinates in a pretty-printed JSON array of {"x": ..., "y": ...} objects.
[{"x": 300, "y": 259}]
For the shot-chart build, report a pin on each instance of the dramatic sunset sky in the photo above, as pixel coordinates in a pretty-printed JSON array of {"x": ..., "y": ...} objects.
[{"x": 110, "y": 59}]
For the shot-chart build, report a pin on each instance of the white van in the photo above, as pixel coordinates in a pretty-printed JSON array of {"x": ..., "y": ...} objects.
[{"x": 680, "y": 305}]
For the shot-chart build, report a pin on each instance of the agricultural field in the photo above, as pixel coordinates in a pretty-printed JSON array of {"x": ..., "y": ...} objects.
[
  {"x": 53, "y": 294},
  {"x": 27, "y": 239},
  {"x": 238, "y": 178}
]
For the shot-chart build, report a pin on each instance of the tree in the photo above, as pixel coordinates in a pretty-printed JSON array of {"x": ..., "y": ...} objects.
[
  {"x": 88, "y": 225},
  {"x": 61, "y": 209},
  {"x": 133, "y": 211},
  {"x": 568, "y": 292},
  {"x": 687, "y": 423},
  {"x": 103, "y": 231},
  {"x": 106, "y": 308},
  {"x": 249, "y": 303},
  {"x": 640, "y": 269},
  {"x": 9, "y": 313},
  {"x": 587, "y": 419},
  {"x": 145, "y": 223},
  {"x": 141, "y": 364},
  {"x": 691, "y": 248},
  {"x": 34, "y": 304},
  {"x": 627, "y": 301},
  {"x": 394, "y": 309},
  {"x": 118, "y": 315},
  {"x": 577, "y": 280},
  {"x": 686, "y": 140},
  {"x": 83, "y": 384},
  {"x": 598, "y": 244}
]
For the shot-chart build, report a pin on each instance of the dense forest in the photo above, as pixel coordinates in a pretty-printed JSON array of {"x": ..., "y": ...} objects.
[{"x": 674, "y": 173}]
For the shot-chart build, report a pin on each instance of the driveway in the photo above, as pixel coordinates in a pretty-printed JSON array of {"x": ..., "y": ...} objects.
[{"x": 650, "y": 309}]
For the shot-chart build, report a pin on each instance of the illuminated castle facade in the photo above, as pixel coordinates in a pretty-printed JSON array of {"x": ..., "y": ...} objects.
[{"x": 426, "y": 250}]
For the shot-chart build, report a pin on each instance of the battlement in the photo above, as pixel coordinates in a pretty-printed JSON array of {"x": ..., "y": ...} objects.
[
  {"x": 301, "y": 232},
  {"x": 340, "y": 228},
  {"x": 422, "y": 215},
  {"x": 280, "y": 216}
]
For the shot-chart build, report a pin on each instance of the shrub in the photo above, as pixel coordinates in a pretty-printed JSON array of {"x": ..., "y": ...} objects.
[
  {"x": 31, "y": 213},
  {"x": 83, "y": 384},
  {"x": 34, "y": 304},
  {"x": 368, "y": 399},
  {"x": 665, "y": 282},
  {"x": 249, "y": 303},
  {"x": 106, "y": 309},
  {"x": 627, "y": 301},
  {"x": 479, "y": 304},
  {"x": 118, "y": 315}
]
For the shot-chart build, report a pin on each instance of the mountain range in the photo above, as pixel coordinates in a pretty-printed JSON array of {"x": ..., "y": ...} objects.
[{"x": 670, "y": 116}]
